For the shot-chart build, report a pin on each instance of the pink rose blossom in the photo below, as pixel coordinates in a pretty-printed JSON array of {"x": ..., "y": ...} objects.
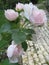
[
  {"x": 38, "y": 17},
  {"x": 11, "y": 15},
  {"x": 14, "y": 51},
  {"x": 19, "y": 6}
]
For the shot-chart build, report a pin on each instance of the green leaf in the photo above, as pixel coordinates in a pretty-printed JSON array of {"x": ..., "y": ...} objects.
[
  {"x": 29, "y": 31},
  {"x": 19, "y": 37},
  {"x": 29, "y": 37},
  {"x": 24, "y": 45},
  {"x": 5, "y": 27}
]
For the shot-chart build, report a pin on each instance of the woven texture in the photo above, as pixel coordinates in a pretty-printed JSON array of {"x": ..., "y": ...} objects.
[{"x": 38, "y": 51}]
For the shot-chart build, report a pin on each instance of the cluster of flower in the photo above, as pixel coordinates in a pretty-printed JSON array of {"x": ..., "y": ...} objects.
[
  {"x": 27, "y": 11},
  {"x": 35, "y": 15}
]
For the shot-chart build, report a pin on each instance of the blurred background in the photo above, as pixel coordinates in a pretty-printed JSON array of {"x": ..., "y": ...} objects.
[{"x": 4, "y": 4}]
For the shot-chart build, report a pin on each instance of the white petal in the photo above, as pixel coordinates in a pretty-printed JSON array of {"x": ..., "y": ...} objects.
[{"x": 10, "y": 50}]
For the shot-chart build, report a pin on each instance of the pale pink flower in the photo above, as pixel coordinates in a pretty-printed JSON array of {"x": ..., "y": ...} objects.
[
  {"x": 19, "y": 6},
  {"x": 38, "y": 17},
  {"x": 11, "y": 15},
  {"x": 13, "y": 52}
]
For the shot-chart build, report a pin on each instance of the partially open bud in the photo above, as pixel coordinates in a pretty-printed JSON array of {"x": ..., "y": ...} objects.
[
  {"x": 19, "y": 7},
  {"x": 11, "y": 15}
]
